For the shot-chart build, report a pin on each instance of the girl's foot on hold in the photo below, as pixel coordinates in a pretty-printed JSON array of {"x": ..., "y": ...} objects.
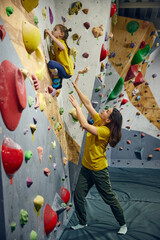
[
  {"x": 53, "y": 72},
  {"x": 78, "y": 226},
  {"x": 56, "y": 83},
  {"x": 123, "y": 229}
]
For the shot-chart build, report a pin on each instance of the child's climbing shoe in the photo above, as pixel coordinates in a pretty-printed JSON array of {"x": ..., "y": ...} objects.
[
  {"x": 56, "y": 83},
  {"x": 123, "y": 229},
  {"x": 78, "y": 226}
]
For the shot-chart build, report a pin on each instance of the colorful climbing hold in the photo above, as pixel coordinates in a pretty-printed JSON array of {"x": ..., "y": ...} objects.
[
  {"x": 2, "y": 32},
  {"x": 50, "y": 16},
  {"x": 38, "y": 203},
  {"x": 117, "y": 89},
  {"x": 28, "y": 155},
  {"x": 31, "y": 36},
  {"x": 132, "y": 27},
  {"x": 9, "y": 11},
  {"x": 141, "y": 55},
  {"x": 23, "y": 217},
  {"x": 29, "y": 182},
  {"x": 40, "y": 153},
  {"x": 87, "y": 25},
  {"x": 47, "y": 172},
  {"x": 61, "y": 110},
  {"x": 33, "y": 235},
  {"x": 33, "y": 129},
  {"x": 13, "y": 226},
  {"x": 30, "y": 101},
  {"x": 104, "y": 53},
  {"x": 29, "y": 5},
  {"x": 50, "y": 219},
  {"x": 12, "y": 84},
  {"x": 113, "y": 9},
  {"x": 12, "y": 157},
  {"x": 65, "y": 194}
]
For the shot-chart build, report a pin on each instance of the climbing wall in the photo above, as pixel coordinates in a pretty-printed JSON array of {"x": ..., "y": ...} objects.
[
  {"x": 138, "y": 103},
  {"x": 42, "y": 149}
]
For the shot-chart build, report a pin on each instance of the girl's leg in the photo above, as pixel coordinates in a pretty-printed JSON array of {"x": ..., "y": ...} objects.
[
  {"x": 103, "y": 185},
  {"x": 61, "y": 70},
  {"x": 84, "y": 183}
]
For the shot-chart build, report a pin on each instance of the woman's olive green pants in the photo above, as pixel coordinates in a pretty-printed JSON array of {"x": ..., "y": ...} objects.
[{"x": 87, "y": 178}]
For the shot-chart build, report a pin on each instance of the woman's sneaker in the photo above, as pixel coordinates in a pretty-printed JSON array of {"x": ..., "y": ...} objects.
[{"x": 78, "y": 226}]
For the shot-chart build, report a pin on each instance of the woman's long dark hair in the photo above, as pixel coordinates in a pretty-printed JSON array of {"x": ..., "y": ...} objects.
[
  {"x": 65, "y": 30},
  {"x": 115, "y": 127}
]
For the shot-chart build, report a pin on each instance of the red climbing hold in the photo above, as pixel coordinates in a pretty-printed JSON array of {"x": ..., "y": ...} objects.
[
  {"x": 65, "y": 195},
  {"x": 139, "y": 79},
  {"x": 113, "y": 9},
  {"x": 13, "y": 98},
  {"x": 12, "y": 156},
  {"x": 132, "y": 72},
  {"x": 2, "y": 32},
  {"x": 124, "y": 101},
  {"x": 50, "y": 219},
  {"x": 104, "y": 53}
]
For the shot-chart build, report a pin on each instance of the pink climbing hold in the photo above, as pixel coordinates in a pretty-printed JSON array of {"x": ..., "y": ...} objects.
[
  {"x": 47, "y": 172},
  {"x": 40, "y": 153},
  {"x": 35, "y": 81},
  {"x": 132, "y": 72},
  {"x": 139, "y": 79}
]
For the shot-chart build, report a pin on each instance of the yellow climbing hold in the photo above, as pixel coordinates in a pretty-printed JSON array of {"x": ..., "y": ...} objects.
[
  {"x": 40, "y": 64},
  {"x": 44, "y": 13},
  {"x": 29, "y": 5},
  {"x": 33, "y": 129},
  {"x": 53, "y": 144},
  {"x": 38, "y": 203},
  {"x": 31, "y": 36},
  {"x": 42, "y": 102}
]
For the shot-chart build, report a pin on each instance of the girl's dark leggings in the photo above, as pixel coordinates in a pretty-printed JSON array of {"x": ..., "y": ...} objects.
[{"x": 87, "y": 178}]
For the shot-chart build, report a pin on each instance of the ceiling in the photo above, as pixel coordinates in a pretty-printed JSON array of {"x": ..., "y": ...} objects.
[{"x": 148, "y": 10}]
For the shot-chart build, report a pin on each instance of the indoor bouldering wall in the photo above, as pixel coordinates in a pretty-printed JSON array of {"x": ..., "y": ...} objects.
[{"x": 40, "y": 144}]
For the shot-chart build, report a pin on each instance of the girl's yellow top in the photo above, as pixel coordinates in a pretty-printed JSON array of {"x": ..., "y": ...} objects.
[
  {"x": 64, "y": 58},
  {"x": 94, "y": 157}
]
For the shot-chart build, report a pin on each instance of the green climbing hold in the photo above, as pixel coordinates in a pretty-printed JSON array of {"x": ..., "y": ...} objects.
[
  {"x": 61, "y": 110},
  {"x": 141, "y": 55},
  {"x": 28, "y": 155},
  {"x": 30, "y": 101},
  {"x": 106, "y": 107},
  {"x": 36, "y": 20},
  {"x": 56, "y": 125},
  {"x": 132, "y": 27},
  {"x": 23, "y": 217},
  {"x": 13, "y": 226},
  {"x": 33, "y": 235},
  {"x": 117, "y": 89},
  {"x": 98, "y": 89},
  {"x": 9, "y": 11},
  {"x": 70, "y": 92}
]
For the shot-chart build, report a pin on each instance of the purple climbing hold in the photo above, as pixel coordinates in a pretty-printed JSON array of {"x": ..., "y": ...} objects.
[
  {"x": 87, "y": 25},
  {"x": 94, "y": 104},
  {"x": 154, "y": 75},
  {"x": 107, "y": 65},
  {"x": 113, "y": 54},
  {"x": 106, "y": 37},
  {"x": 63, "y": 19},
  {"x": 50, "y": 15},
  {"x": 34, "y": 120},
  {"x": 29, "y": 182},
  {"x": 132, "y": 45},
  {"x": 85, "y": 55}
]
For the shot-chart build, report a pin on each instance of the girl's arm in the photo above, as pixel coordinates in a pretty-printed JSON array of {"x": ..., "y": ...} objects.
[
  {"x": 83, "y": 122},
  {"x": 59, "y": 44},
  {"x": 84, "y": 99}
]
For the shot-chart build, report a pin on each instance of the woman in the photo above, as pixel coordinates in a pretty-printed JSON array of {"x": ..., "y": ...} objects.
[{"x": 106, "y": 129}]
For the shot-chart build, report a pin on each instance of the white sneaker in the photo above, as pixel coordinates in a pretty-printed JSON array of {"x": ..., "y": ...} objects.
[
  {"x": 123, "y": 229},
  {"x": 78, "y": 226}
]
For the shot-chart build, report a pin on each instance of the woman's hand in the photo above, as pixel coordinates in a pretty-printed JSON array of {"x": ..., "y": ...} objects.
[
  {"x": 75, "y": 84},
  {"x": 73, "y": 101}
]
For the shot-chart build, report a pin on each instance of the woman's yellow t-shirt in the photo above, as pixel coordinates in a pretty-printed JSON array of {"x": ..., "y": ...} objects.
[
  {"x": 94, "y": 157},
  {"x": 63, "y": 58}
]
